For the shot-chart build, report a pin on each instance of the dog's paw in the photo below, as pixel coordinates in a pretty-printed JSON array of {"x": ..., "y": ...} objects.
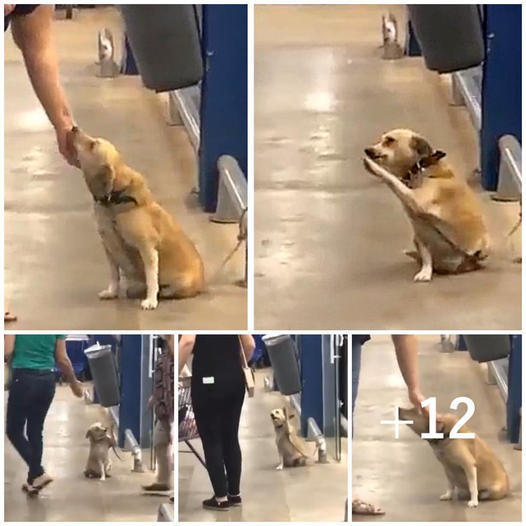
[
  {"x": 448, "y": 495},
  {"x": 108, "y": 294},
  {"x": 370, "y": 166},
  {"x": 279, "y": 468},
  {"x": 423, "y": 276},
  {"x": 473, "y": 503},
  {"x": 149, "y": 304}
]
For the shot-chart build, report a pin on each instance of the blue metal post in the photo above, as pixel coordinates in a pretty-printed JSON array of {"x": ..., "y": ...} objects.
[
  {"x": 501, "y": 85},
  {"x": 130, "y": 371},
  {"x": 128, "y": 64},
  {"x": 514, "y": 388},
  {"x": 223, "y": 95},
  {"x": 412, "y": 47},
  {"x": 310, "y": 347}
]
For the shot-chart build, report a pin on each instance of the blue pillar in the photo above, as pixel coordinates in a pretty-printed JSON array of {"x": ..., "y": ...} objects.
[
  {"x": 514, "y": 388},
  {"x": 128, "y": 64},
  {"x": 223, "y": 95},
  {"x": 130, "y": 372},
  {"x": 310, "y": 347},
  {"x": 501, "y": 85}
]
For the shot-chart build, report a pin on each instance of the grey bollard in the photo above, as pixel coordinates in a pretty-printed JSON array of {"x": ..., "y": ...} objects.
[
  {"x": 487, "y": 347},
  {"x": 104, "y": 372},
  {"x": 165, "y": 40},
  {"x": 283, "y": 358},
  {"x": 450, "y": 36}
]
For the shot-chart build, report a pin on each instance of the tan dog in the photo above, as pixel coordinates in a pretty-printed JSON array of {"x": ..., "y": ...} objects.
[
  {"x": 144, "y": 244},
  {"x": 472, "y": 468},
  {"x": 292, "y": 449},
  {"x": 449, "y": 231},
  {"x": 99, "y": 463}
]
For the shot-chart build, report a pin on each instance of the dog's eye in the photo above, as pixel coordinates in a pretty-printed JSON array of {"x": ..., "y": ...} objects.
[
  {"x": 388, "y": 141},
  {"x": 92, "y": 145}
]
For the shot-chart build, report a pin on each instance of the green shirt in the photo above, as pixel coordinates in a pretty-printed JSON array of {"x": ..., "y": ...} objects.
[{"x": 35, "y": 351}]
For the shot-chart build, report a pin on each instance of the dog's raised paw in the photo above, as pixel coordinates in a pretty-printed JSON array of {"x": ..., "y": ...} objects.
[
  {"x": 149, "y": 304},
  {"x": 473, "y": 503},
  {"x": 108, "y": 294}
]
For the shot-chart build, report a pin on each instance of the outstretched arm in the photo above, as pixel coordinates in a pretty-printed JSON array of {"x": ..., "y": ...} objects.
[
  {"x": 406, "y": 349},
  {"x": 33, "y": 34}
]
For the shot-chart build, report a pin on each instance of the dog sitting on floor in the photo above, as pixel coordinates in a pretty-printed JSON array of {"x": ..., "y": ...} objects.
[
  {"x": 99, "y": 463},
  {"x": 292, "y": 450},
  {"x": 449, "y": 231}
]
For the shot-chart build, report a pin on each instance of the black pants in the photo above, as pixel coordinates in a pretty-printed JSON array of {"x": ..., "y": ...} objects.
[
  {"x": 30, "y": 396},
  {"x": 217, "y": 416}
]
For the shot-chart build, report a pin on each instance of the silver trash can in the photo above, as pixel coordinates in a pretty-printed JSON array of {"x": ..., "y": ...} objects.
[
  {"x": 283, "y": 357},
  {"x": 104, "y": 373}
]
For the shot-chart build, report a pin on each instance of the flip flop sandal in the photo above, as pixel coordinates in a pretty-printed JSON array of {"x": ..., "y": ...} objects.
[
  {"x": 30, "y": 490},
  {"x": 10, "y": 317},
  {"x": 359, "y": 507}
]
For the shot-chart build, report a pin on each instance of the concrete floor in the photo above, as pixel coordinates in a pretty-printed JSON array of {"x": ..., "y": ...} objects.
[
  {"x": 72, "y": 497},
  {"x": 403, "y": 476},
  {"x": 268, "y": 495},
  {"x": 328, "y": 236},
  {"x": 54, "y": 261}
]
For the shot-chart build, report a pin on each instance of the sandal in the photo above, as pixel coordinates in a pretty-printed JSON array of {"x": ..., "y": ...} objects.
[
  {"x": 360, "y": 507},
  {"x": 10, "y": 317}
]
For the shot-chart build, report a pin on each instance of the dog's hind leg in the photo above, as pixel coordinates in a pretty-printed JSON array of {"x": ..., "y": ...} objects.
[{"x": 112, "y": 290}]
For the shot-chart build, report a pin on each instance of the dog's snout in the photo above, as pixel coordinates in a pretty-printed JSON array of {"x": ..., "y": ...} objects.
[
  {"x": 369, "y": 152},
  {"x": 75, "y": 129}
]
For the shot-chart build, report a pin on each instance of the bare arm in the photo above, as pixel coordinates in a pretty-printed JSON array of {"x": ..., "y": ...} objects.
[
  {"x": 186, "y": 346},
  {"x": 9, "y": 346},
  {"x": 64, "y": 364},
  {"x": 33, "y": 34},
  {"x": 248, "y": 344},
  {"x": 406, "y": 349}
]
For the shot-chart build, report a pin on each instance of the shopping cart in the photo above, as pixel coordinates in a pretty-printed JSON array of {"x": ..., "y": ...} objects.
[{"x": 187, "y": 426}]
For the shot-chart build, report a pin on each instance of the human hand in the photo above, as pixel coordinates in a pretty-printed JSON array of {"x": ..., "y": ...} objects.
[
  {"x": 65, "y": 144},
  {"x": 416, "y": 398},
  {"x": 76, "y": 388}
]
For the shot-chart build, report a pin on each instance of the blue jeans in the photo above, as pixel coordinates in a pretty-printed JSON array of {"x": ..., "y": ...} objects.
[{"x": 30, "y": 397}]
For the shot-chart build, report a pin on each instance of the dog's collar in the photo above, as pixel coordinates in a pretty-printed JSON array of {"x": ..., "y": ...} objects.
[
  {"x": 116, "y": 197},
  {"x": 435, "y": 441},
  {"x": 425, "y": 162}
]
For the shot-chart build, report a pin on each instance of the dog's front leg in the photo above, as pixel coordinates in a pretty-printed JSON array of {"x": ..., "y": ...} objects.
[
  {"x": 471, "y": 475},
  {"x": 279, "y": 467},
  {"x": 150, "y": 258},
  {"x": 426, "y": 269},
  {"x": 405, "y": 194},
  {"x": 102, "y": 470},
  {"x": 112, "y": 290}
]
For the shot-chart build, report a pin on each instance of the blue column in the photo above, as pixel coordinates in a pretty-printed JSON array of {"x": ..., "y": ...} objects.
[
  {"x": 514, "y": 388},
  {"x": 128, "y": 64},
  {"x": 223, "y": 95},
  {"x": 310, "y": 347},
  {"x": 130, "y": 371},
  {"x": 501, "y": 85},
  {"x": 412, "y": 47}
]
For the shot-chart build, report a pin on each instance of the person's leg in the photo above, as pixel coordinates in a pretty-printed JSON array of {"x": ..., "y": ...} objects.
[
  {"x": 208, "y": 422},
  {"x": 16, "y": 417},
  {"x": 37, "y": 412},
  {"x": 231, "y": 415},
  {"x": 161, "y": 444},
  {"x": 356, "y": 365}
]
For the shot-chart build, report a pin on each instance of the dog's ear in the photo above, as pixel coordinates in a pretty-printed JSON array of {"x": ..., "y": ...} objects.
[
  {"x": 420, "y": 146},
  {"x": 100, "y": 182}
]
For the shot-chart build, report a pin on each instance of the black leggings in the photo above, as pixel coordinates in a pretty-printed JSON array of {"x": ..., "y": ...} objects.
[
  {"x": 217, "y": 416},
  {"x": 30, "y": 397}
]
